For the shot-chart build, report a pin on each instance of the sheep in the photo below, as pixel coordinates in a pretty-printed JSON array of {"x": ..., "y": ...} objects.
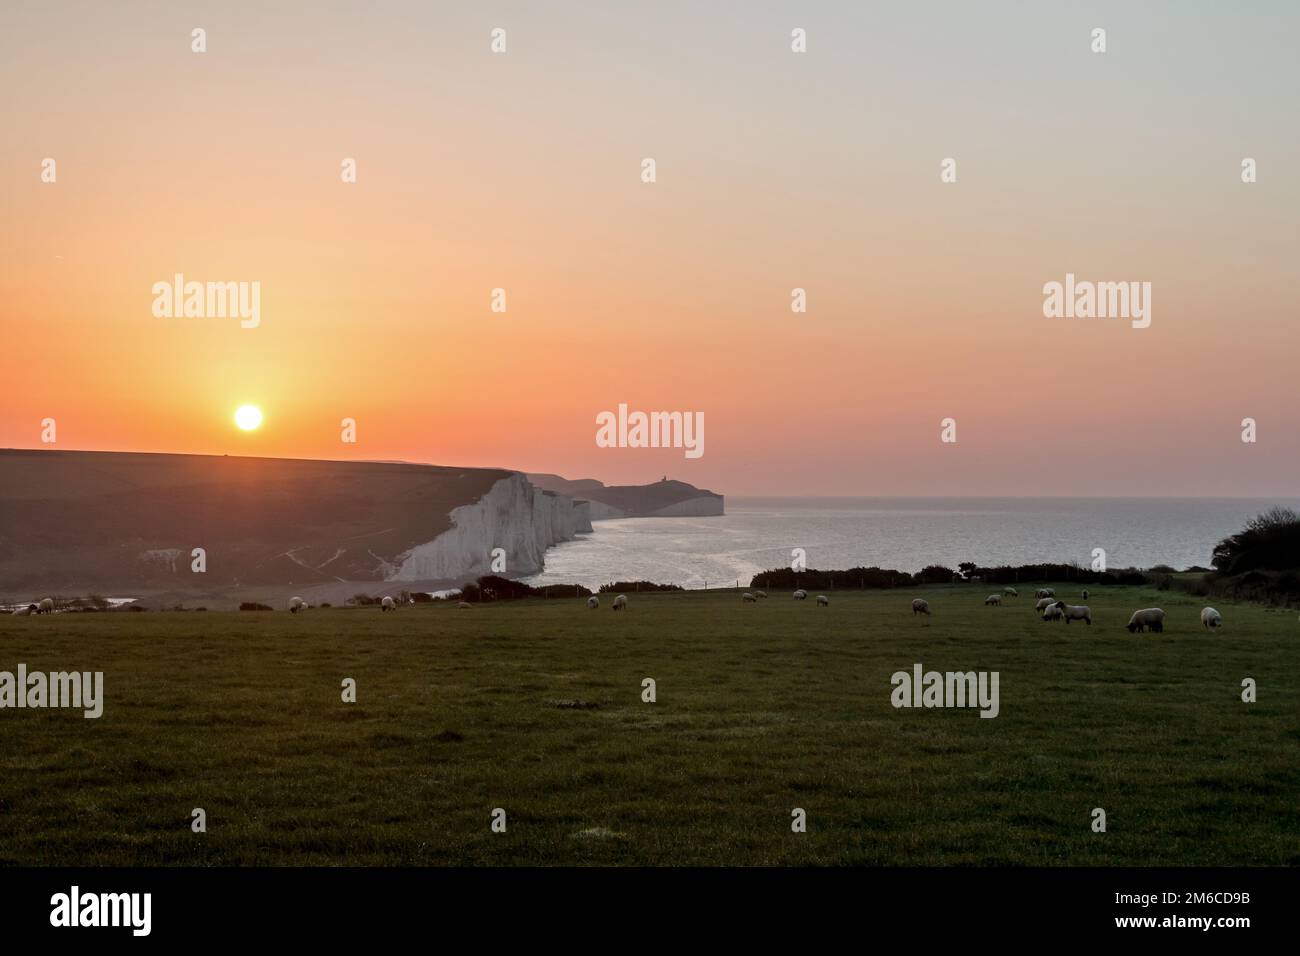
[
  {"x": 823, "y": 601},
  {"x": 46, "y": 606},
  {"x": 1075, "y": 612},
  {"x": 25, "y": 611},
  {"x": 920, "y": 606},
  {"x": 1010, "y": 592},
  {"x": 1085, "y": 594},
  {"x": 387, "y": 604},
  {"x": 593, "y": 602},
  {"x": 994, "y": 599},
  {"x": 1045, "y": 592},
  {"x": 1053, "y": 612},
  {"x": 296, "y": 604},
  {"x": 465, "y": 606},
  {"x": 1210, "y": 618},
  {"x": 1152, "y": 617},
  {"x": 801, "y": 595},
  {"x": 748, "y": 598},
  {"x": 620, "y": 603},
  {"x": 1043, "y": 604},
  {"x": 760, "y": 594}
]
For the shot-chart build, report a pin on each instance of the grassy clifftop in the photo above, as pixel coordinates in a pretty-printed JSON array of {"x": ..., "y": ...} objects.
[{"x": 535, "y": 707}]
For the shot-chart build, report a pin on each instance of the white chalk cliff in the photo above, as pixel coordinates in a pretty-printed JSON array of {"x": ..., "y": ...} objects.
[{"x": 514, "y": 515}]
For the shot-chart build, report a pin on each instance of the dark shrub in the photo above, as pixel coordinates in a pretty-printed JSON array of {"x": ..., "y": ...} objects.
[{"x": 637, "y": 586}]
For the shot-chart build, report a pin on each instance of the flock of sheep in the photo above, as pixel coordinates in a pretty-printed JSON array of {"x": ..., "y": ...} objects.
[
  {"x": 387, "y": 603},
  {"x": 752, "y": 597},
  {"x": 1050, "y": 609}
]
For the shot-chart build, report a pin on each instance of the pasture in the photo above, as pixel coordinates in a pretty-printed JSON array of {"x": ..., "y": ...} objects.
[{"x": 535, "y": 707}]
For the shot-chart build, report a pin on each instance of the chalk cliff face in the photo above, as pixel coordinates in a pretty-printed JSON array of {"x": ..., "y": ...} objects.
[{"x": 514, "y": 515}]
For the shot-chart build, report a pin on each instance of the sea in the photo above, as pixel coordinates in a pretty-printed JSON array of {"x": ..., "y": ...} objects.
[{"x": 905, "y": 534}]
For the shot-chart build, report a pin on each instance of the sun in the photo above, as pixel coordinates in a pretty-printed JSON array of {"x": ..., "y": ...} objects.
[{"x": 248, "y": 417}]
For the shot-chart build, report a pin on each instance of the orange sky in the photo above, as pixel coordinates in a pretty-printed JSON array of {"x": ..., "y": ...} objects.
[{"x": 775, "y": 170}]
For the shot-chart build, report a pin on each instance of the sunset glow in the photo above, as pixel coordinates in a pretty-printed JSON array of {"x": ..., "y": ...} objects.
[{"x": 924, "y": 299}]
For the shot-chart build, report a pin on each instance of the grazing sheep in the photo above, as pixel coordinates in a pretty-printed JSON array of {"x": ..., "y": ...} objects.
[
  {"x": 823, "y": 601},
  {"x": 1085, "y": 594},
  {"x": 1043, "y": 604},
  {"x": 465, "y": 606},
  {"x": 387, "y": 604},
  {"x": 1210, "y": 618},
  {"x": 593, "y": 602},
  {"x": 801, "y": 595},
  {"x": 25, "y": 611},
  {"x": 1053, "y": 612},
  {"x": 1075, "y": 612},
  {"x": 994, "y": 599},
  {"x": 920, "y": 606},
  {"x": 1152, "y": 617},
  {"x": 760, "y": 594},
  {"x": 296, "y": 604},
  {"x": 1045, "y": 592},
  {"x": 620, "y": 603},
  {"x": 1010, "y": 592},
  {"x": 46, "y": 606},
  {"x": 748, "y": 598}
]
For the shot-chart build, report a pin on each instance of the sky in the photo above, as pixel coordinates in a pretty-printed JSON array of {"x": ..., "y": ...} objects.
[{"x": 775, "y": 170}]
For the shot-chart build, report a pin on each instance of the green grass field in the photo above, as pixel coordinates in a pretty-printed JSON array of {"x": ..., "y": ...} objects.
[{"x": 761, "y": 708}]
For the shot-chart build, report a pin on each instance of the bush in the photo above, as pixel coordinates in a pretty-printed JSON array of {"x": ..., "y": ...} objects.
[
  {"x": 1269, "y": 542},
  {"x": 491, "y": 587},
  {"x": 253, "y": 606},
  {"x": 616, "y": 587},
  {"x": 785, "y": 578}
]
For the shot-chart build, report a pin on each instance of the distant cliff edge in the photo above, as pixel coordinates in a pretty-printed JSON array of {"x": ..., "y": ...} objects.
[
  {"x": 75, "y": 522},
  {"x": 661, "y": 499}
]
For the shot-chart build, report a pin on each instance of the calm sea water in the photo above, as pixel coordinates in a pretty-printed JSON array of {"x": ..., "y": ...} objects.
[{"x": 902, "y": 533}]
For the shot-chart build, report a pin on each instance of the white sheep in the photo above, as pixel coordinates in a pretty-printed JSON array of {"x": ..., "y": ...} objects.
[
  {"x": 1075, "y": 612},
  {"x": 801, "y": 595},
  {"x": 1053, "y": 612},
  {"x": 1045, "y": 592},
  {"x": 920, "y": 606},
  {"x": 620, "y": 603},
  {"x": 1152, "y": 617},
  {"x": 1010, "y": 592},
  {"x": 296, "y": 604},
  {"x": 760, "y": 594},
  {"x": 748, "y": 598},
  {"x": 823, "y": 601},
  {"x": 593, "y": 602},
  {"x": 465, "y": 606},
  {"x": 1043, "y": 604},
  {"x": 46, "y": 606},
  {"x": 25, "y": 611},
  {"x": 994, "y": 599},
  {"x": 1210, "y": 618},
  {"x": 387, "y": 604}
]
